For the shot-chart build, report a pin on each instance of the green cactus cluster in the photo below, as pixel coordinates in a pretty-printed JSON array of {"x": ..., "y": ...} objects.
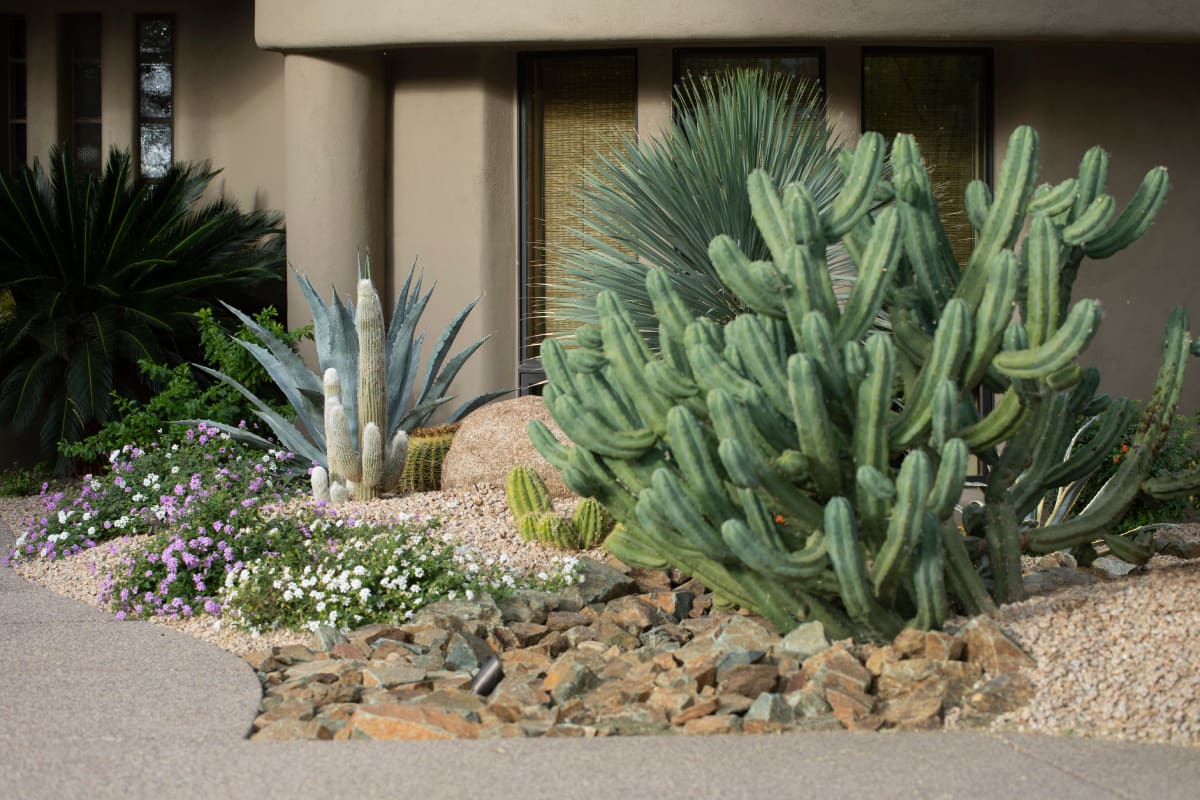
[
  {"x": 537, "y": 521},
  {"x": 806, "y": 466},
  {"x": 427, "y": 449}
]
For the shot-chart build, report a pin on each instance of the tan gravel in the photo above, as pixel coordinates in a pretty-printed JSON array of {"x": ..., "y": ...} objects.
[{"x": 1117, "y": 659}]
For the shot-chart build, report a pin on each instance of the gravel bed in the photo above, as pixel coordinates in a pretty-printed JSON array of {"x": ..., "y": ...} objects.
[{"x": 1115, "y": 659}]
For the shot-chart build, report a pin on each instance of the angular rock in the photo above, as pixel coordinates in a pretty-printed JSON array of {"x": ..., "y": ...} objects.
[
  {"x": 848, "y": 705},
  {"x": 941, "y": 646},
  {"x": 1051, "y": 579},
  {"x": 909, "y": 642},
  {"x": 565, "y": 620},
  {"x": 469, "y": 616},
  {"x": 666, "y": 637},
  {"x": 901, "y": 676},
  {"x": 750, "y": 680},
  {"x": 399, "y": 721},
  {"x": 389, "y": 676},
  {"x": 805, "y": 703},
  {"x": 600, "y": 584},
  {"x": 290, "y": 730},
  {"x": 713, "y": 725},
  {"x": 527, "y": 605},
  {"x": 517, "y": 697},
  {"x": 805, "y": 641},
  {"x": 527, "y": 633},
  {"x": 769, "y": 707},
  {"x": 632, "y": 613},
  {"x": 985, "y": 644},
  {"x": 1003, "y": 693},
  {"x": 465, "y": 651},
  {"x": 698, "y": 709},
  {"x": 919, "y": 708},
  {"x": 568, "y": 678},
  {"x": 837, "y": 667},
  {"x": 746, "y": 633}
]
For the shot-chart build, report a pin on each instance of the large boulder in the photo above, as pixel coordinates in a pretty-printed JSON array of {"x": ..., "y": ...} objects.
[{"x": 493, "y": 440}]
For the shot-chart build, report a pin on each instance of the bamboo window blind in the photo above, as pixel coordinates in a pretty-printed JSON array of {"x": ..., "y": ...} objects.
[
  {"x": 579, "y": 106},
  {"x": 941, "y": 98}
]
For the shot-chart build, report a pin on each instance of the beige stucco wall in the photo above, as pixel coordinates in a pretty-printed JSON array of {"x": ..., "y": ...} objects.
[
  {"x": 228, "y": 92},
  {"x": 291, "y": 24},
  {"x": 454, "y": 199},
  {"x": 1142, "y": 104}
]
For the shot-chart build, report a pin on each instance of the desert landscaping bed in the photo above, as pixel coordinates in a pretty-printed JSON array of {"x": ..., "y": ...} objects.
[{"x": 634, "y": 651}]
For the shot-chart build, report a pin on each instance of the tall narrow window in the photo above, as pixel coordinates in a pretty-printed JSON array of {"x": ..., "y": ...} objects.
[
  {"x": 576, "y": 106},
  {"x": 805, "y": 63},
  {"x": 156, "y": 94},
  {"x": 942, "y": 98},
  {"x": 80, "y": 93},
  {"x": 12, "y": 91}
]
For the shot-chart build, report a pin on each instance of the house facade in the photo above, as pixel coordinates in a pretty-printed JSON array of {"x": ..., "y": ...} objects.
[{"x": 451, "y": 132}]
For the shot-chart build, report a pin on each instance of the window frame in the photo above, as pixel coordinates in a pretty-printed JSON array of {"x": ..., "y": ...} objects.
[{"x": 10, "y": 153}]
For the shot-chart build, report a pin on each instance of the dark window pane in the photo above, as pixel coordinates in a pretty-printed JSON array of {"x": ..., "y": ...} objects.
[
  {"x": 938, "y": 98},
  {"x": 85, "y": 36},
  {"x": 155, "y": 38},
  {"x": 16, "y": 91},
  {"x": 155, "y": 81},
  {"x": 156, "y": 149},
  {"x": 807, "y": 67},
  {"x": 18, "y": 149},
  {"x": 86, "y": 89},
  {"x": 16, "y": 39},
  {"x": 87, "y": 147}
]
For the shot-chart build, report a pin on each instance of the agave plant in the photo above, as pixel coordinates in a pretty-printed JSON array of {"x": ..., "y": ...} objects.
[
  {"x": 409, "y": 403},
  {"x": 98, "y": 272},
  {"x": 656, "y": 204}
]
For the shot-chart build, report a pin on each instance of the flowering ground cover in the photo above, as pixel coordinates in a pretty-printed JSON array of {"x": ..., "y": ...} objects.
[{"x": 232, "y": 535}]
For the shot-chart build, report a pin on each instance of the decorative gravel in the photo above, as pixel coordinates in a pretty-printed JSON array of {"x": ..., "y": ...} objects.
[{"x": 1115, "y": 659}]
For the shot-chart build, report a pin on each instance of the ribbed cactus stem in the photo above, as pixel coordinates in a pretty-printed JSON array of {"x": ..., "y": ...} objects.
[
  {"x": 397, "y": 457},
  {"x": 372, "y": 463},
  {"x": 343, "y": 458},
  {"x": 372, "y": 375},
  {"x": 320, "y": 484},
  {"x": 338, "y": 493}
]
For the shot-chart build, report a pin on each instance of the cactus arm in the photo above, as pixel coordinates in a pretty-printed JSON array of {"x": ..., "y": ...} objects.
[
  {"x": 344, "y": 461},
  {"x": 858, "y": 192},
  {"x": 747, "y": 471},
  {"x": 904, "y": 528},
  {"x": 846, "y": 558},
  {"x": 1056, "y": 352},
  {"x": 950, "y": 345},
  {"x": 815, "y": 431},
  {"x": 875, "y": 269},
  {"x": 1054, "y": 200},
  {"x": 632, "y": 550},
  {"x": 1090, "y": 224},
  {"x": 320, "y": 484},
  {"x": 372, "y": 463},
  {"x": 947, "y": 487},
  {"x": 526, "y": 493},
  {"x": 769, "y": 216},
  {"x": 590, "y": 432},
  {"x": 758, "y": 284},
  {"x": 372, "y": 374},
  {"x": 1001, "y": 422},
  {"x": 929, "y": 577},
  {"x": 964, "y": 581},
  {"x": 978, "y": 202},
  {"x": 870, "y": 444},
  {"x": 1042, "y": 264},
  {"x": 628, "y": 353},
  {"x": 992, "y": 317},
  {"x": 1018, "y": 175},
  {"x": 1135, "y": 220},
  {"x": 1004, "y": 551}
]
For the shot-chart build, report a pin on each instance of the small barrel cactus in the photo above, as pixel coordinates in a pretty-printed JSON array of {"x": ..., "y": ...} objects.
[{"x": 537, "y": 521}]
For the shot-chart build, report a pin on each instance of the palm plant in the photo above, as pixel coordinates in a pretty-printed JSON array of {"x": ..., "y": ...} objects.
[
  {"x": 102, "y": 271},
  {"x": 658, "y": 203}
]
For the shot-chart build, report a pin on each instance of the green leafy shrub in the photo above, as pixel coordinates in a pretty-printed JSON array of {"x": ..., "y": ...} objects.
[
  {"x": 807, "y": 467},
  {"x": 19, "y": 481},
  {"x": 182, "y": 397},
  {"x": 104, "y": 271}
]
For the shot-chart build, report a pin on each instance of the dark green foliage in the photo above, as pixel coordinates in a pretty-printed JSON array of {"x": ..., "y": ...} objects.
[
  {"x": 18, "y": 481},
  {"x": 805, "y": 466},
  {"x": 104, "y": 272},
  {"x": 657, "y": 203},
  {"x": 186, "y": 395}
]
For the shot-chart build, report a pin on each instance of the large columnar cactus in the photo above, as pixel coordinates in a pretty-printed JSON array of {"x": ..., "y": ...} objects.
[
  {"x": 805, "y": 466},
  {"x": 352, "y": 422}
]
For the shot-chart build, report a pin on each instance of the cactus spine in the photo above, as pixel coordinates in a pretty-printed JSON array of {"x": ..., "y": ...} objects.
[{"x": 807, "y": 467}]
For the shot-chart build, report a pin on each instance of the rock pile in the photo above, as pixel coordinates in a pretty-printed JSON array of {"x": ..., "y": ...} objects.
[{"x": 621, "y": 654}]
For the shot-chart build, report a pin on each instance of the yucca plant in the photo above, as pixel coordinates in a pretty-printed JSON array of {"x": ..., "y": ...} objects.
[
  {"x": 101, "y": 271},
  {"x": 657, "y": 203},
  {"x": 406, "y": 402}
]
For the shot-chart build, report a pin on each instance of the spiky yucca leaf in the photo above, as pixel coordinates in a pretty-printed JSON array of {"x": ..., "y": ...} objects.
[{"x": 658, "y": 204}]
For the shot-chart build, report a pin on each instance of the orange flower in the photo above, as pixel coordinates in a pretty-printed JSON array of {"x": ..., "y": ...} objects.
[{"x": 779, "y": 520}]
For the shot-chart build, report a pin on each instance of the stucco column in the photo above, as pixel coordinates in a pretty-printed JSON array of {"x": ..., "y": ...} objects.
[{"x": 335, "y": 196}]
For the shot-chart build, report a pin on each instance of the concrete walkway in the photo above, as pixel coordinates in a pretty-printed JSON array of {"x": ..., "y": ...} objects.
[{"x": 95, "y": 708}]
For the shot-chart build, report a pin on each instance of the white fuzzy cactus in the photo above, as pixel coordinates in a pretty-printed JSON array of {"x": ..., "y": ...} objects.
[{"x": 320, "y": 484}]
